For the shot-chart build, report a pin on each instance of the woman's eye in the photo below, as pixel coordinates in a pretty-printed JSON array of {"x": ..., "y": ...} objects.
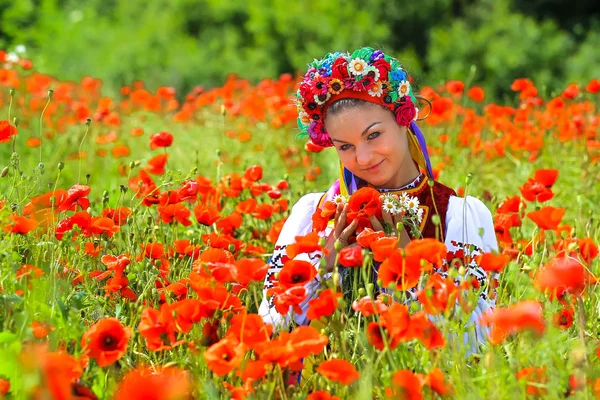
[
  {"x": 374, "y": 135},
  {"x": 344, "y": 147}
]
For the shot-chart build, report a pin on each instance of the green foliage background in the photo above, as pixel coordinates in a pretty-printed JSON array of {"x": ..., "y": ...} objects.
[{"x": 184, "y": 43}]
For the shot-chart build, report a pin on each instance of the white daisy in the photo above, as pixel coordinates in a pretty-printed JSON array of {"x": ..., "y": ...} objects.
[
  {"x": 338, "y": 198},
  {"x": 404, "y": 88},
  {"x": 413, "y": 205},
  {"x": 322, "y": 99},
  {"x": 304, "y": 117},
  {"x": 419, "y": 215},
  {"x": 374, "y": 72},
  {"x": 376, "y": 89},
  {"x": 403, "y": 199},
  {"x": 12, "y": 58},
  {"x": 389, "y": 205},
  {"x": 357, "y": 66}
]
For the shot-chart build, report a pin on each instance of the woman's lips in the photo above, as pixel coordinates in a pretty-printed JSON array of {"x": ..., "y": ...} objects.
[{"x": 374, "y": 167}]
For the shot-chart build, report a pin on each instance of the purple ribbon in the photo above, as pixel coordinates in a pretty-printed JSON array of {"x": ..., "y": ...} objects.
[{"x": 421, "y": 139}]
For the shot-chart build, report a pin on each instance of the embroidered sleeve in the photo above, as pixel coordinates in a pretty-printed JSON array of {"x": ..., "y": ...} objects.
[
  {"x": 470, "y": 232},
  {"x": 299, "y": 223}
]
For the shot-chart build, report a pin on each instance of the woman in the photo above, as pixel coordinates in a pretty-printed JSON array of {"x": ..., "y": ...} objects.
[{"x": 363, "y": 104}]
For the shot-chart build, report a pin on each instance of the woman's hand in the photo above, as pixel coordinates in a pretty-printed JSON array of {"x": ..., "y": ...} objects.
[
  {"x": 391, "y": 220},
  {"x": 341, "y": 233}
]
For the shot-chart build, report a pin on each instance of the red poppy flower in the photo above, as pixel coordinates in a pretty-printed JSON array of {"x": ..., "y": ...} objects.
[
  {"x": 547, "y": 217},
  {"x": 253, "y": 173},
  {"x": 338, "y": 370},
  {"x": 76, "y": 195},
  {"x": 20, "y": 225},
  {"x": 563, "y": 319},
  {"x": 321, "y": 395},
  {"x": 324, "y": 305},
  {"x": 206, "y": 215},
  {"x": 367, "y": 306},
  {"x": 249, "y": 329},
  {"x": 546, "y": 177},
  {"x": 421, "y": 328},
  {"x": 383, "y": 247},
  {"x": 493, "y": 262},
  {"x": 163, "y": 383},
  {"x": 285, "y": 298},
  {"x": 525, "y": 315},
  {"x": 351, "y": 256},
  {"x": 247, "y": 206},
  {"x": 431, "y": 250},
  {"x": 161, "y": 139},
  {"x": 560, "y": 275},
  {"x": 263, "y": 211},
  {"x": 304, "y": 244},
  {"x": 106, "y": 341},
  {"x": 511, "y": 205},
  {"x": 306, "y": 340},
  {"x": 404, "y": 272},
  {"x": 438, "y": 294},
  {"x": 296, "y": 273},
  {"x": 6, "y": 131},
  {"x": 593, "y": 86},
  {"x": 250, "y": 270},
  {"x": 588, "y": 249},
  {"x": 224, "y": 356},
  {"x": 533, "y": 190},
  {"x": 4, "y": 387},
  {"x": 534, "y": 375},
  {"x": 156, "y": 165},
  {"x": 175, "y": 212},
  {"x": 435, "y": 380},
  {"x": 119, "y": 215},
  {"x": 363, "y": 204},
  {"x": 367, "y": 236},
  {"x": 476, "y": 93},
  {"x": 158, "y": 328},
  {"x": 455, "y": 87},
  {"x": 405, "y": 386}
]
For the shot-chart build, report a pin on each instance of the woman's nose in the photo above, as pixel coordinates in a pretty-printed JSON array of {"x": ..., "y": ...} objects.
[{"x": 363, "y": 156}]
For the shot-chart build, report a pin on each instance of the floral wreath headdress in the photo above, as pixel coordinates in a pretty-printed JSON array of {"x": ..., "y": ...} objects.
[{"x": 366, "y": 74}]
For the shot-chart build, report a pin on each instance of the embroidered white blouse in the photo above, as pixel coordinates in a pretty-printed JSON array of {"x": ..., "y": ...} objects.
[{"x": 469, "y": 227}]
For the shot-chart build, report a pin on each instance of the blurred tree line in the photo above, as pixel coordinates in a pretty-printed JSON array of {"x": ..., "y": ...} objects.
[{"x": 184, "y": 43}]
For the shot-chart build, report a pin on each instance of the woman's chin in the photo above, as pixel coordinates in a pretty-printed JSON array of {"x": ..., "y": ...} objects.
[{"x": 376, "y": 180}]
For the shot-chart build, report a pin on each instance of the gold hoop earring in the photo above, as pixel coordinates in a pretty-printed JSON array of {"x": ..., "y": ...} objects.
[{"x": 430, "y": 107}]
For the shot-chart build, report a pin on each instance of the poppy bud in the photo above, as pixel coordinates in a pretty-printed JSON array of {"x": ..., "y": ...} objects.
[
  {"x": 88, "y": 122},
  {"x": 4, "y": 172},
  {"x": 362, "y": 292},
  {"x": 61, "y": 165},
  {"x": 231, "y": 248},
  {"x": 436, "y": 219},
  {"x": 469, "y": 178},
  {"x": 50, "y": 93},
  {"x": 337, "y": 245},
  {"x": 336, "y": 279},
  {"x": 16, "y": 121}
]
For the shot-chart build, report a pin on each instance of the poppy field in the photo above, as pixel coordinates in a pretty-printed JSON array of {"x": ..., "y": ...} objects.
[{"x": 135, "y": 231}]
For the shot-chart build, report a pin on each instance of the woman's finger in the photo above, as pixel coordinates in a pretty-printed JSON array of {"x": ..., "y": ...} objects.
[
  {"x": 346, "y": 233},
  {"x": 341, "y": 222},
  {"x": 375, "y": 223},
  {"x": 387, "y": 218},
  {"x": 338, "y": 211}
]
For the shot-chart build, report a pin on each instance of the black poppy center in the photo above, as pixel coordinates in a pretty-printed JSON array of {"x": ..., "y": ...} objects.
[{"x": 109, "y": 342}]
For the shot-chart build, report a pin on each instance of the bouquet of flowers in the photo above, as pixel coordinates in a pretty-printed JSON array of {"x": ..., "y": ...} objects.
[{"x": 405, "y": 209}]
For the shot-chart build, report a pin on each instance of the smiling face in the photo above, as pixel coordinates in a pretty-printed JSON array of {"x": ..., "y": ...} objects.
[{"x": 371, "y": 144}]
